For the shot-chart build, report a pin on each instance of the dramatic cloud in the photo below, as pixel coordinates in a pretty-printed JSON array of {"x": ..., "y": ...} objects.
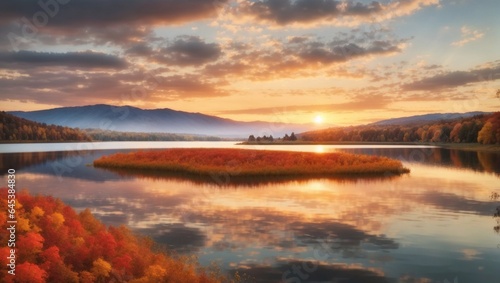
[
  {"x": 93, "y": 21},
  {"x": 455, "y": 79},
  {"x": 189, "y": 50},
  {"x": 286, "y": 12},
  {"x": 303, "y": 56},
  {"x": 77, "y": 13},
  {"x": 88, "y": 59}
]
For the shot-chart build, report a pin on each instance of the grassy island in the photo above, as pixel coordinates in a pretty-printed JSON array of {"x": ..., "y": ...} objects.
[{"x": 252, "y": 163}]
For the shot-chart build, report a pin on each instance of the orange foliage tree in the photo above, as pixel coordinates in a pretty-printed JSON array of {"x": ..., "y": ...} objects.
[{"x": 490, "y": 133}]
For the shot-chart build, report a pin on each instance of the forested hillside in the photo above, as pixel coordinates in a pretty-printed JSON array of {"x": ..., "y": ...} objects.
[
  {"x": 13, "y": 128},
  {"x": 484, "y": 129},
  {"x": 55, "y": 244}
]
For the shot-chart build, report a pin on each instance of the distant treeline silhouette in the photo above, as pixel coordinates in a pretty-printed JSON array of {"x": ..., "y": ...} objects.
[
  {"x": 291, "y": 137},
  {"x": 484, "y": 129}
]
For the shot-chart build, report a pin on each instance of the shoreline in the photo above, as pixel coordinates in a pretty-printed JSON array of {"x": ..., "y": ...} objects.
[{"x": 457, "y": 146}]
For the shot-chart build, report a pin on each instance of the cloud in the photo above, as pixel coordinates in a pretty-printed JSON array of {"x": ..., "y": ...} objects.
[
  {"x": 333, "y": 52},
  {"x": 65, "y": 88},
  {"x": 359, "y": 103},
  {"x": 186, "y": 86},
  {"x": 302, "y": 56},
  {"x": 139, "y": 49},
  {"x": 308, "y": 12},
  {"x": 94, "y": 21},
  {"x": 189, "y": 50},
  {"x": 77, "y": 13},
  {"x": 96, "y": 87},
  {"x": 455, "y": 79},
  {"x": 468, "y": 35},
  {"x": 87, "y": 59}
]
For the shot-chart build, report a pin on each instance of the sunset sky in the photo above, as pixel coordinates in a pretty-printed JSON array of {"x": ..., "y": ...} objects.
[{"x": 298, "y": 61}]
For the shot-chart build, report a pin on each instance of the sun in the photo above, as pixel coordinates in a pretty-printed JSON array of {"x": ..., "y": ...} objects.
[{"x": 318, "y": 119}]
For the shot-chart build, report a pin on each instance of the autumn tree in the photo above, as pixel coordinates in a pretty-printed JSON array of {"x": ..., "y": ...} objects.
[
  {"x": 30, "y": 273},
  {"x": 101, "y": 269},
  {"x": 55, "y": 244},
  {"x": 486, "y": 134},
  {"x": 490, "y": 133},
  {"x": 15, "y": 128}
]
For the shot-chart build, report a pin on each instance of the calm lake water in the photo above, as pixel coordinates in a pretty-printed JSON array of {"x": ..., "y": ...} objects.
[{"x": 433, "y": 225}]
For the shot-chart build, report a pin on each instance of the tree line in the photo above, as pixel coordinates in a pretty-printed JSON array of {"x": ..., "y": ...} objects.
[
  {"x": 484, "y": 129},
  {"x": 286, "y": 137},
  {"x": 13, "y": 128}
]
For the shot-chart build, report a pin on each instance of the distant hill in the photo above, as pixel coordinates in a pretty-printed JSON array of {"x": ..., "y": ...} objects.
[
  {"x": 132, "y": 119},
  {"x": 427, "y": 118},
  {"x": 13, "y": 128}
]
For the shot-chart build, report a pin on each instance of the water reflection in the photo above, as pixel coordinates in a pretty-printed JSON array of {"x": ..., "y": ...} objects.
[
  {"x": 229, "y": 179},
  {"x": 26, "y": 159},
  {"x": 477, "y": 161},
  {"x": 296, "y": 270},
  {"x": 69, "y": 163},
  {"x": 429, "y": 226}
]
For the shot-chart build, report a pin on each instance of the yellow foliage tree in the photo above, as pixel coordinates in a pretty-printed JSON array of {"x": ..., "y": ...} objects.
[
  {"x": 57, "y": 219},
  {"x": 23, "y": 224},
  {"x": 37, "y": 212},
  {"x": 485, "y": 136},
  {"x": 101, "y": 268},
  {"x": 155, "y": 273}
]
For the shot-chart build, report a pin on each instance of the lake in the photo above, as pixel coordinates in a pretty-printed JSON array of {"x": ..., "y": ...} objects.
[{"x": 433, "y": 225}]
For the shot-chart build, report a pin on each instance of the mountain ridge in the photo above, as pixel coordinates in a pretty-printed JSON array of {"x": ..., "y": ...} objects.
[{"x": 164, "y": 120}]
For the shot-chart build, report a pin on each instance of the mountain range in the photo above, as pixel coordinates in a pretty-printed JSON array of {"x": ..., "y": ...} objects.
[{"x": 133, "y": 119}]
